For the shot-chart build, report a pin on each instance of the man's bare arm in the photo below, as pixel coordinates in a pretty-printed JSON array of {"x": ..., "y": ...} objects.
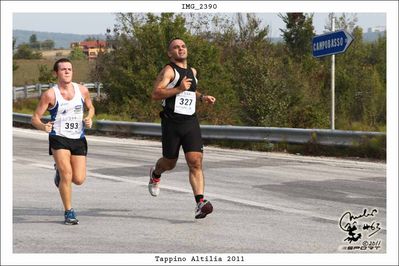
[
  {"x": 89, "y": 105},
  {"x": 160, "y": 91},
  {"x": 46, "y": 100}
]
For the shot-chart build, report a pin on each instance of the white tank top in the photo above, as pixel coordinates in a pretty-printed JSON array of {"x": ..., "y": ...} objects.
[{"x": 68, "y": 115}]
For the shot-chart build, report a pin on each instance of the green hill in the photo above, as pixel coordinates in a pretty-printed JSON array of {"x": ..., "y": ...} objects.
[{"x": 61, "y": 40}]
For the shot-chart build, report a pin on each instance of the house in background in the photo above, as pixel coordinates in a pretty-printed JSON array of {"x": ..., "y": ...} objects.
[{"x": 91, "y": 48}]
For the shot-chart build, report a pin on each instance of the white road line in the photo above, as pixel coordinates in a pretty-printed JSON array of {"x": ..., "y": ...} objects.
[
  {"x": 189, "y": 191},
  {"x": 219, "y": 196},
  {"x": 243, "y": 154}
]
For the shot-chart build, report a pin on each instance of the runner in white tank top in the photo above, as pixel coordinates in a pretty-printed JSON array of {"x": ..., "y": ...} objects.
[
  {"x": 67, "y": 103},
  {"x": 68, "y": 115}
]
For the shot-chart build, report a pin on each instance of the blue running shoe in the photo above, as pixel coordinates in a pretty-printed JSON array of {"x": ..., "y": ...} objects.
[
  {"x": 70, "y": 217},
  {"x": 57, "y": 176}
]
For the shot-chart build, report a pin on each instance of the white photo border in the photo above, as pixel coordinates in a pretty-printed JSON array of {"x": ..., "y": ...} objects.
[{"x": 8, "y": 8}]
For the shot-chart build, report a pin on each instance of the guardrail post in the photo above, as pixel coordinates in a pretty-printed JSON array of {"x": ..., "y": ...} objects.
[
  {"x": 14, "y": 94},
  {"x": 39, "y": 88},
  {"x": 26, "y": 91},
  {"x": 97, "y": 86}
]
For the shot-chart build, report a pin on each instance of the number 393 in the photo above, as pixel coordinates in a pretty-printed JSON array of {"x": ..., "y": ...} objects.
[{"x": 71, "y": 125}]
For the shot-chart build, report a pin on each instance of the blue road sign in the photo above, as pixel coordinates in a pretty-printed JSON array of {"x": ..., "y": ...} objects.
[{"x": 331, "y": 43}]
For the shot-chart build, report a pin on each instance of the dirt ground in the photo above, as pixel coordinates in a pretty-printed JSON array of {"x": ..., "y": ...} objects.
[{"x": 52, "y": 54}]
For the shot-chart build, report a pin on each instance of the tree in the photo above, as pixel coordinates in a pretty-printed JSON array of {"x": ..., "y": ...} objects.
[
  {"x": 298, "y": 33},
  {"x": 303, "y": 75},
  {"x": 24, "y": 51},
  {"x": 250, "y": 31},
  {"x": 77, "y": 54},
  {"x": 139, "y": 44},
  {"x": 360, "y": 86},
  {"x": 14, "y": 65},
  {"x": 33, "y": 39},
  {"x": 256, "y": 82},
  {"x": 344, "y": 22},
  {"x": 33, "y": 43},
  {"x": 47, "y": 45},
  {"x": 46, "y": 74},
  {"x": 90, "y": 38}
]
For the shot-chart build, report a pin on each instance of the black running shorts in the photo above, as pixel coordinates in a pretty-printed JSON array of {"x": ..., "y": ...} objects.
[
  {"x": 76, "y": 146},
  {"x": 183, "y": 133}
]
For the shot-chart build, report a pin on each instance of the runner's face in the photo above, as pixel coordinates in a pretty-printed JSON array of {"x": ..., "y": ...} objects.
[
  {"x": 65, "y": 72},
  {"x": 178, "y": 50}
]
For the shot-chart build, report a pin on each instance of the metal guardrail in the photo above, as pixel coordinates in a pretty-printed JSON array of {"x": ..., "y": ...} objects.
[
  {"x": 239, "y": 133},
  {"x": 29, "y": 91}
]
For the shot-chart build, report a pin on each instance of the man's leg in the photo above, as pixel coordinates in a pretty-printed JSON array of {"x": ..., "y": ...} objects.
[
  {"x": 76, "y": 175},
  {"x": 78, "y": 163},
  {"x": 170, "y": 148},
  {"x": 62, "y": 159},
  {"x": 163, "y": 164},
  {"x": 196, "y": 177}
]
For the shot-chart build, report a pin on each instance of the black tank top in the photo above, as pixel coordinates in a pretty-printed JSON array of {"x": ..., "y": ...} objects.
[{"x": 169, "y": 103}]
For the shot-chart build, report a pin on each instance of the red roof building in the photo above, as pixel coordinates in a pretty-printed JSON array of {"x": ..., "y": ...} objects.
[{"x": 91, "y": 48}]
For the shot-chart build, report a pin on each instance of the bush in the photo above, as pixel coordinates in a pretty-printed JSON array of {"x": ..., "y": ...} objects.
[
  {"x": 46, "y": 74},
  {"x": 77, "y": 54},
  {"x": 25, "y": 52}
]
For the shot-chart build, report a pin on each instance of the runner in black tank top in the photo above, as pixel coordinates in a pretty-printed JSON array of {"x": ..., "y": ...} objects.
[
  {"x": 176, "y": 86},
  {"x": 169, "y": 103}
]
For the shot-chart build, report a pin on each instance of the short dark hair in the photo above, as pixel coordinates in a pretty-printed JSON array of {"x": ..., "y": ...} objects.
[
  {"x": 61, "y": 60},
  {"x": 174, "y": 39}
]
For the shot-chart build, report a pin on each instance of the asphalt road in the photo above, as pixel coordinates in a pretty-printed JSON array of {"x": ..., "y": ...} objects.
[{"x": 263, "y": 202}]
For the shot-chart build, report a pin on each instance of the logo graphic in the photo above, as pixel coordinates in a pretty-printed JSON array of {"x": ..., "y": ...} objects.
[
  {"x": 359, "y": 229},
  {"x": 78, "y": 109}
]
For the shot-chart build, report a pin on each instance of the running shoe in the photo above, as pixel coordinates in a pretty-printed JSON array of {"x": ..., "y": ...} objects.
[
  {"x": 153, "y": 185},
  {"x": 203, "y": 209},
  {"x": 70, "y": 217},
  {"x": 56, "y": 176}
]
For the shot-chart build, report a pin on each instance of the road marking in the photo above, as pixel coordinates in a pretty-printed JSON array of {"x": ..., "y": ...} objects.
[
  {"x": 217, "y": 152},
  {"x": 250, "y": 203},
  {"x": 219, "y": 196}
]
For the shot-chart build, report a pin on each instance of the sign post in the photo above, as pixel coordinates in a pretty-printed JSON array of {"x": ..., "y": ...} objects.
[
  {"x": 333, "y": 81},
  {"x": 331, "y": 43}
]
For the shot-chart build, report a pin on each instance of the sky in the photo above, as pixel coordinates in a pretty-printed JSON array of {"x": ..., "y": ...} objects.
[{"x": 97, "y": 23}]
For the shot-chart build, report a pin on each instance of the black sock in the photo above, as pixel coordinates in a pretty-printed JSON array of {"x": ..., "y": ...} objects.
[
  {"x": 199, "y": 198},
  {"x": 154, "y": 175}
]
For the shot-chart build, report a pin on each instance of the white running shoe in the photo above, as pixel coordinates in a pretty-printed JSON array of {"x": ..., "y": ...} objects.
[
  {"x": 153, "y": 185},
  {"x": 203, "y": 209}
]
